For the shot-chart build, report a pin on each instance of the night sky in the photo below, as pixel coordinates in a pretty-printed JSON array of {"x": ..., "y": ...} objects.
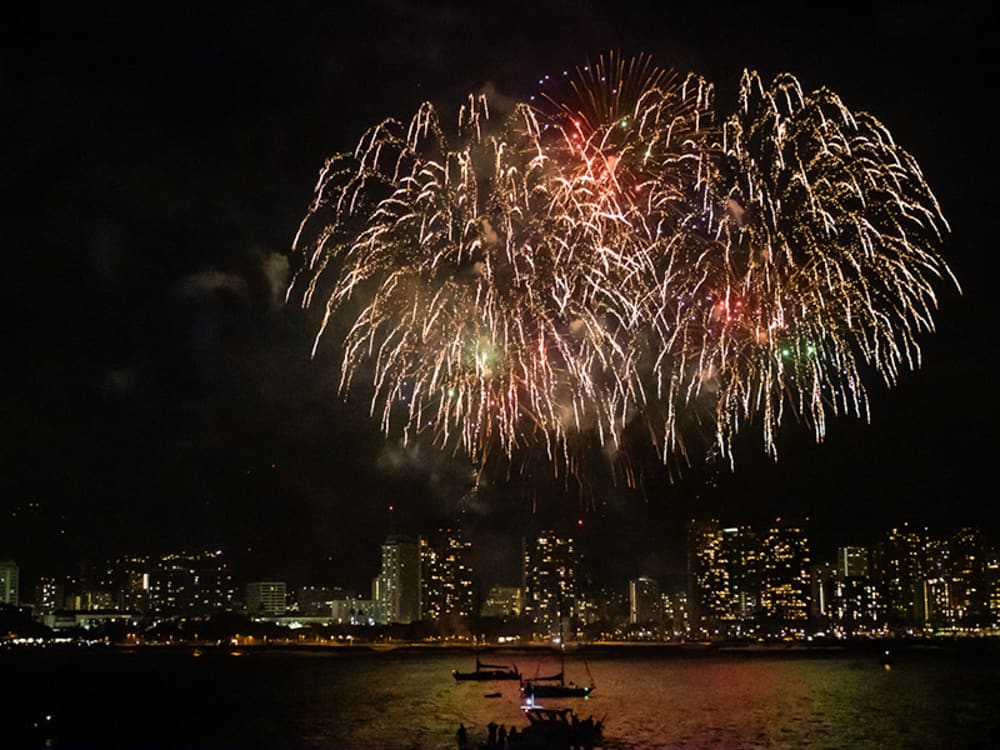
[{"x": 159, "y": 395}]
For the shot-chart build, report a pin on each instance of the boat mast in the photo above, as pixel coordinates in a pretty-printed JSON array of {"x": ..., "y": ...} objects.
[{"x": 562, "y": 644}]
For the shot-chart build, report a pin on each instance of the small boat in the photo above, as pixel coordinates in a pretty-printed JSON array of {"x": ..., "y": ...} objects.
[
  {"x": 486, "y": 672},
  {"x": 492, "y": 695},
  {"x": 558, "y": 728},
  {"x": 555, "y": 686}
]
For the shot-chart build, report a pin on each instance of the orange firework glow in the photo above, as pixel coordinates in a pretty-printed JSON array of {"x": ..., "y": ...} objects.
[{"x": 623, "y": 253}]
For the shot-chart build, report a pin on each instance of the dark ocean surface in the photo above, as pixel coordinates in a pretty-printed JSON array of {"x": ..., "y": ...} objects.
[{"x": 651, "y": 698}]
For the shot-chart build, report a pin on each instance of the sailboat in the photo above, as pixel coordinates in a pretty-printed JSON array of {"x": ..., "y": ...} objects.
[
  {"x": 488, "y": 672},
  {"x": 555, "y": 686}
]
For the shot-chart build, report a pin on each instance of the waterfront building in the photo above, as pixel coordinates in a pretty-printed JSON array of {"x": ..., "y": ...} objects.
[
  {"x": 503, "y": 602},
  {"x": 398, "y": 585},
  {"x": 49, "y": 596},
  {"x": 784, "y": 566},
  {"x": 446, "y": 575},
  {"x": 992, "y": 577},
  {"x": 708, "y": 586},
  {"x": 852, "y": 562},
  {"x": 710, "y": 589},
  {"x": 723, "y": 577},
  {"x": 607, "y": 605},
  {"x": 355, "y": 611},
  {"x": 316, "y": 601},
  {"x": 267, "y": 598},
  {"x": 644, "y": 601},
  {"x": 967, "y": 579},
  {"x": 127, "y": 577},
  {"x": 855, "y": 607},
  {"x": 91, "y": 600},
  {"x": 550, "y": 587},
  {"x": 191, "y": 583},
  {"x": 822, "y": 584},
  {"x": 899, "y": 572},
  {"x": 9, "y": 573},
  {"x": 739, "y": 555},
  {"x": 677, "y": 616}
]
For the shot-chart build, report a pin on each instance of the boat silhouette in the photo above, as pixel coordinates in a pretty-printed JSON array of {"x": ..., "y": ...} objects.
[{"x": 486, "y": 672}]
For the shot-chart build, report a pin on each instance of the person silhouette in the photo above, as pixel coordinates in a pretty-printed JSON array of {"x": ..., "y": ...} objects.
[{"x": 462, "y": 737}]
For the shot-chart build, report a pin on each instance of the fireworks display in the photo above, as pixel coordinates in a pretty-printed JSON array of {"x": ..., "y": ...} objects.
[{"x": 614, "y": 253}]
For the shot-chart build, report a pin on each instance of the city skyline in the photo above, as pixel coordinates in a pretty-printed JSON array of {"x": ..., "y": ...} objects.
[
  {"x": 742, "y": 583},
  {"x": 163, "y": 396}
]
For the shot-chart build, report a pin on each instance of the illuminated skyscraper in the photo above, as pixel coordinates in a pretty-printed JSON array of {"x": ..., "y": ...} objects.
[
  {"x": 198, "y": 583},
  {"x": 550, "y": 581},
  {"x": 49, "y": 596},
  {"x": 723, "y": 577},
  {"x": 446, "y": 575},
  {"x": 399, "y": 582},
  {"x": 851, "y": 602},
  {"x": 677, "y": 614},
  {"x": 852, "y": 562},
  {"x": 709, "y": 592},
  {"x": 822, "y": 585},
  {"x": 784, "y": 565},
  {"x": 967, "y": 578},
  {"x": 8, "y": 582},
  {"x": 127, "y": 578},
  {"x": 503, "y": 602},
  {"x": 935, "y": 598},
  {"x": 992, "y": 576},
  {"x": 740, "y": 557},
  {"x": 899, "y": 560},
  {"x": 267, "y": 598},
  {"x": 643, "y": 601}
]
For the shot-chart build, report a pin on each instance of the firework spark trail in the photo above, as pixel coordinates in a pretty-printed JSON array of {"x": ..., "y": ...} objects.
[
  {"x": 829, "y": 244},
  {"x": 612, "y": 255}
]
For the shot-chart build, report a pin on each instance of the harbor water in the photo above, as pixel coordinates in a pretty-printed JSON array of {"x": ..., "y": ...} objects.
[{"x": 75, "y": 697}]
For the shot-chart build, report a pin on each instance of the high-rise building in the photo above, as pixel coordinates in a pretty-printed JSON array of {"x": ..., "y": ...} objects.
[
  {"x": 723, "y": 577},
  {"x": 127, "y": 578},
  {"x": 899, "y": 560},
  {"x": 503, "y": 602},
  {"x": 852, "y": 562},
  {"x": 992, "y": 575},
  {"x": 968, "y": 578},
  {"x": 608, "y": 605},
  {"x": 49, "y": 596},
  {"x": 676, "y": 614},
  {"x": 784, "y": 585},
  {"x": 740, "y": 557},
  {"x": 822, "y": 584},
  {"x": 550, "y": 564},
  {"x": 936, "y": 593},
  {"x": 267, "y": 598},
  {"x": 708, "y": 585},
  {"x": 399, "y": 582},
  {"x": 198, "y": 583},
  {"x": 92, "y": 600},
  {"x": 643, "y": 601},
  {"x": 844, "y": 599},
  {"x": 8, "y": 582},
  {"x": 446, "y": 575}
]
